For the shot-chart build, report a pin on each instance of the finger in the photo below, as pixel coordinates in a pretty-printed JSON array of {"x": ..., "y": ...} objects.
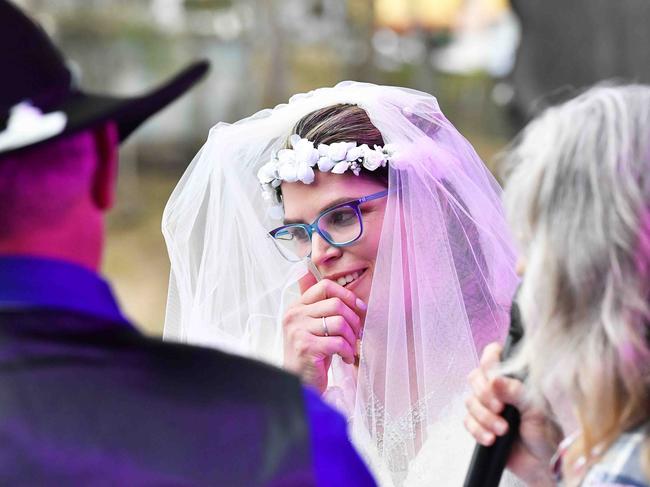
[
  {"x": 481, "y": 435},
  {"x": 339, "y": 346},
  {"x": 299, "y": 319},
  {"x": 491, "y": 356},
  {"x": 336, "y": 326},
  {"x": 510, "y": 391},
  {"x": 486, "y": 418},
  {"x": 322, "y": 348},
  {"x": 329, "y": 289},
  {"x": 306, "y": 281},
  {"x": 482, "y": 390},
  {"x": 333, "y": 307}
]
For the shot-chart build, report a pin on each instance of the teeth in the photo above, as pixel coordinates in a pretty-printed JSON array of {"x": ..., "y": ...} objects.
[{"x": 343, "y": 280}]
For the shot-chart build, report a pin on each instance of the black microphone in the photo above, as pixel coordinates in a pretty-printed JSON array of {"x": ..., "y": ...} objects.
[{"x": 488, "y": 462}]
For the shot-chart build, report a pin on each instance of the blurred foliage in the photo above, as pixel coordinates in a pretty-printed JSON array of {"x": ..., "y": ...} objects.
[
  {"x": 262, "y": 51},
  {"x": 208, "y": 4}
]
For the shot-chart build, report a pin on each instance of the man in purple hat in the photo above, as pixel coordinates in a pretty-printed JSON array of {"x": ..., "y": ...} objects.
[{"x": 85, "y": 399}]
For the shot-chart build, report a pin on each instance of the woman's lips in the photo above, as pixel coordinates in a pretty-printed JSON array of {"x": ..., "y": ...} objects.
[
  {"x": 348, "y": 278},
  {"x": 360, "y": 275}
]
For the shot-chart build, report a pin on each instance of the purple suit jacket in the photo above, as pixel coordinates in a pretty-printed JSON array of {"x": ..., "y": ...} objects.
[{"x": 85, "y": 399}]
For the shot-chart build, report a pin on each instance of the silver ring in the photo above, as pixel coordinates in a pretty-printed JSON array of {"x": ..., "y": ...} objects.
[{"x": 325, "y": 330}]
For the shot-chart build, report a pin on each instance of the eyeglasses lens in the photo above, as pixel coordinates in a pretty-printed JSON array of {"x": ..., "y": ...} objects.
[
  {"x": 340, "y": 225},
  {"x": 293, "y": 243}
]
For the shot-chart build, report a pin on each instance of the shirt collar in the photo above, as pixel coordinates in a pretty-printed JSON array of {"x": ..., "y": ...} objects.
[{"x": 35, "y": 282}]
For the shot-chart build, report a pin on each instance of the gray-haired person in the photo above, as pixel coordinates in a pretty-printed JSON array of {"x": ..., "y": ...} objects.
[{"x": 578, "y": 199}]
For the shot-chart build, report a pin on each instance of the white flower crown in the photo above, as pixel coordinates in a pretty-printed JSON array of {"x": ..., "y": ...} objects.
[{"x": 296, "y": 164}]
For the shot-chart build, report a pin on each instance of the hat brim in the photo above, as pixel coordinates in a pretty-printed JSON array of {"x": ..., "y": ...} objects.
[{"x": 86, "y": 110}]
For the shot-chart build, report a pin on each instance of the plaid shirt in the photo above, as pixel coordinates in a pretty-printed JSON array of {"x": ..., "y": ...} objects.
[{"x": 620, "y": 466}]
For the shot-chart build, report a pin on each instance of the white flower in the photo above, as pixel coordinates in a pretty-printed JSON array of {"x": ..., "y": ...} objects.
[
  {"x": 288, "y": 172},
  {"x": 267, "y": 173},
  {"x": 355, "y": 153},
  {"x": 325, "y": 164},
  {"x": 305, "y": 152},
  {"x": 338, "y": 150},
  {"x": 295, "y": 164},
  {"x": 305, "y": 173},
  {"x": 390, "y": 149},
  {"x": 286, "y": 156},
  {"x": 287, "y": 165},
  {"x": 341, "y": 167},
  {"x": 373, "y": 159}
]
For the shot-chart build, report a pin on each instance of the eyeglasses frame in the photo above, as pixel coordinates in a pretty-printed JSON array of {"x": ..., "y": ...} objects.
[{"x": 313, "y": 227}]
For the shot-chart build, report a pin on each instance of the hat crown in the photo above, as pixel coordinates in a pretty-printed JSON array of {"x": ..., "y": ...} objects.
[
  {"x": 34, "y": 69},
  {"x": 37, "y": 86}
]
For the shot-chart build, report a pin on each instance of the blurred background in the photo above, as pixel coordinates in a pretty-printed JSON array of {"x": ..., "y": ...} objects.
[{"x": 262, "y": 52}]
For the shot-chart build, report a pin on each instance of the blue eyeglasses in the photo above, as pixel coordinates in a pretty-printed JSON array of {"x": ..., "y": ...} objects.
[{"x": 339, "y": 226}]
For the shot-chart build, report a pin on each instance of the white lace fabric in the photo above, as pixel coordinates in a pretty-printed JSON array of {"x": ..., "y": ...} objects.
[{"x": 441, "y": 287}]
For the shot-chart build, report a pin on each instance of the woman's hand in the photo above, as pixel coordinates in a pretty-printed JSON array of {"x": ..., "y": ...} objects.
[
  {"x": 307, "y": 350},
  {"x": 538, "y": 435}
]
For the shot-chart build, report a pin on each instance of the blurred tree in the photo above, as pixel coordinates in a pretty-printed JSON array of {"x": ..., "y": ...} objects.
[
  {"x": 207, "y": 4},
  {"x": 362, "y": 17},
  {"x": 272, "y": 38},
  {"x": 571, "y": 45}
]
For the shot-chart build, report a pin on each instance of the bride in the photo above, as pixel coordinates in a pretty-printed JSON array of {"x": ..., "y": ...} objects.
[{"x": 354, "y": 237}]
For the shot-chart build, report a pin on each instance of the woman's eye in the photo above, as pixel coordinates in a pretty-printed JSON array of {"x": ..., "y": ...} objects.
[
  {"x": 342, "y": 217},
  {"x": 299, "y": 234}
]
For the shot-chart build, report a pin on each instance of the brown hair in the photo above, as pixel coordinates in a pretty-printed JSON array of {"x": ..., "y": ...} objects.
[{"x": 342, "y": 123}]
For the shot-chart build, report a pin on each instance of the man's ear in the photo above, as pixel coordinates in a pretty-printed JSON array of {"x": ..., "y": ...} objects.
[{"x": 105, "y": 177}]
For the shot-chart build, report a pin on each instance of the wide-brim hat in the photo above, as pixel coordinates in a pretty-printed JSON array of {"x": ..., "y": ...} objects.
[{"x": 39, "y": 98}]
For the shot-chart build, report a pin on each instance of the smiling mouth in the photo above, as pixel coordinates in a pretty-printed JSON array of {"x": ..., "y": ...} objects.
[{"x": 351, "y": 278}]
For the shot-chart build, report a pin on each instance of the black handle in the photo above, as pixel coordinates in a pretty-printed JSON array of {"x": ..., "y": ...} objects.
[{"x": 488, "y": 462}]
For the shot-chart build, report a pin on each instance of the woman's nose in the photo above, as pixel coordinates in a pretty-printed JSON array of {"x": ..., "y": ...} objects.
[{"x": 322, "y": 250}]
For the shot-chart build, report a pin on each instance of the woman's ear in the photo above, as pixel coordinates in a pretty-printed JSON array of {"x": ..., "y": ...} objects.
[{"x": 105, "y": 178}]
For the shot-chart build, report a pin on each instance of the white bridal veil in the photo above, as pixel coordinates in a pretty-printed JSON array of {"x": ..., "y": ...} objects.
[{"x": 441, "y": 289}]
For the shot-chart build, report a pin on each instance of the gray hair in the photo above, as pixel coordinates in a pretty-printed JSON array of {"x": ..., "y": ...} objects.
[{"x": 578, "y": 200}]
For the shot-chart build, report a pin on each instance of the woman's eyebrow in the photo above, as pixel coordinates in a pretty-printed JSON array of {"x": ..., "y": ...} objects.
[
  {"x": 291, "y": 221},
  {"x": 338, "y": 201},
  {"x": 331, "y": 204}
]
